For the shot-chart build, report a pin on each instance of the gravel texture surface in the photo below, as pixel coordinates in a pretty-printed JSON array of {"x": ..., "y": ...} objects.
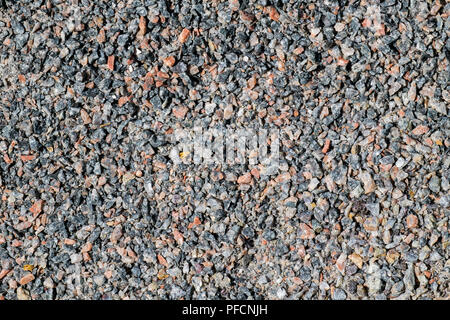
[{"x": 92, "y": 206}]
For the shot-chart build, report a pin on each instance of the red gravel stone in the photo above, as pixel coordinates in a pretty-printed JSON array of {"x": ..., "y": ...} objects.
[
  {"x": 419, "y": 130},
  {"x": 273, "y": 14},
  {"x": 412, "y": 221},
  {"x": 184, "y": 35},
  {"x": 36, "y": 208},
  {"x": 245, "y": 179},
  {"x": 142, "y": 25},
  {"x": 169, "y": 61},
  {"x": 111, "y": 63},
  {"x": 101, "y": 36},
  {"x": 306, "y": 232},
  {"x": 326, "y": 146},
  {"x": 26, "y": 279},
  {"x": 162, "y": 260},
  {"x": 180, "y": 112}
]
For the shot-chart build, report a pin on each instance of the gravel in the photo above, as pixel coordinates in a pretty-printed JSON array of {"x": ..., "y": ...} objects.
[{"x": 97, "y": 204}]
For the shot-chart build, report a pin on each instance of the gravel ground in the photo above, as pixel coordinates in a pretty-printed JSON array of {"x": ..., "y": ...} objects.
[{"x": 93, "y": 207}]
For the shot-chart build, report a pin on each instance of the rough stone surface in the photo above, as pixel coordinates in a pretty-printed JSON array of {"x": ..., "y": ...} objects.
[{"x": 96, "y": 201}]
